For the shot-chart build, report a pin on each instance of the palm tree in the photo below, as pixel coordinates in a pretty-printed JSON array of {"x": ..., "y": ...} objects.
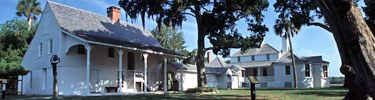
[
  {"x": 285, "y": 29},
  {"x": 30, "y": 9}
]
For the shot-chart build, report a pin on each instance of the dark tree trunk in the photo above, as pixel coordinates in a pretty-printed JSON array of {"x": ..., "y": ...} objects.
[
  {"x": 54, "y": 71},
  {"x": 293, "y": 58},
  {"x": 202, "y": 82},
  {"x": 356, "y": 45}
]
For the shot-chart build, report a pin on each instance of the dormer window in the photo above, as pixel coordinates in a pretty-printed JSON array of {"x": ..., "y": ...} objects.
[
  {"x": 268, "y": 56},
  {"x": 238, "y": 59},
  {"x": 252, "y": 57}
]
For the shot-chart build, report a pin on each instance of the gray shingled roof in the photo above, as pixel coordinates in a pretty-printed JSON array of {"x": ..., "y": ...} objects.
[
  {"x": 287, "y": 58},
  {"x": 216, "y": 70},
  {"x": 186, "y": 67},
  {"x": 264, "y": 49},
  {"x": 98, "y": 28},
  {"x": 314, "y": 59},
  {"x": 217, "y": 62}
]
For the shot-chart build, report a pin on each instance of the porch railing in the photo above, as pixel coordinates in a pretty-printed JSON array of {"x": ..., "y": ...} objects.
[{"x": 134, "y": 76}]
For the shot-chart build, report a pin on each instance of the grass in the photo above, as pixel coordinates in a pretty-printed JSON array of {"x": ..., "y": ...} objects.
[{"x": 262, "y": 94}]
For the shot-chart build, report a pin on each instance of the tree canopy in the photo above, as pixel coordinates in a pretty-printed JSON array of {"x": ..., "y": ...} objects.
[
  {"x": 30, "y": 9},
  {"x": 216, "y": 20},
  {"x": 353, "y": 36},
  {"x": 14, "y": 40},
  {"x": 170, "y": 38},
  {"x": 369, "y": 10}
]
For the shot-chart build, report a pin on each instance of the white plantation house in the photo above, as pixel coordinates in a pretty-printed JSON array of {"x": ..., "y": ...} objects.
[
  {"x": 274, "y": 69},
  {"x": 93, "y": 49},
  {"x": 101, "y": 54}
]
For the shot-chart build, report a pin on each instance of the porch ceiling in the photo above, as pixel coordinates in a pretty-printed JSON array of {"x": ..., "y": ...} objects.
[{"x": 124, "y": 44}]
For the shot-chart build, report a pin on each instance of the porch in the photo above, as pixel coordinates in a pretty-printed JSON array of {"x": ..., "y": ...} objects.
[
  {"x": 112, "y": 70},
  {"x": 264, "y": 75}
]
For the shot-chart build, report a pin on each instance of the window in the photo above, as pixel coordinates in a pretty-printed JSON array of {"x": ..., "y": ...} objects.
[
  {"x": 252, "y": 57},
  {"x": 264, "y": 71},
  {"x": 263, "y": 84},
  {"x": 243, "y": 73},
  {"x": 307, "y": 70},
  {"x": 50, "y": 46},
  {"x": 287, "y": 70},
  {"x": 111, "y": 52},
  {"x": 255, "y": 72},
  {"x": 31, "y": 79},
  {"x": 81, "y": 49},
  {"x": 325, "y": 71},
  {"x": 288, "y": 84},
  {"x": 268, "y": 56},
  {"x": 44, "y": 78},
  {"x": 40, "y": 51},
  {"x": 238, "y": 59}
]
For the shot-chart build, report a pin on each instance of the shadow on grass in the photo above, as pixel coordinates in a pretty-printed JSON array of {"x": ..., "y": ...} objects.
[
  {"x": 138, "y": 97},
  {"x": 324, "y": 94}
]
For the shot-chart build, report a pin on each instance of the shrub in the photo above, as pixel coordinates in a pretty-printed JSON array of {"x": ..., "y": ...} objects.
[{"x": 201, "y": 90}]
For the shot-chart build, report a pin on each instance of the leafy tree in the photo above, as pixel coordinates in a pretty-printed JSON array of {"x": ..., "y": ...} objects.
[
  {"x": 170, "y": 38},
  {"x": 14, "y": 40},
  {"x": 30, "y": 9},
  {"x": 216, "y": 20},
  {"x": 370, "y": 14},
  {"x": 191, "y": 56},
  {"x": 353, "y": 37},
  {"x": 10, "y": 62}
]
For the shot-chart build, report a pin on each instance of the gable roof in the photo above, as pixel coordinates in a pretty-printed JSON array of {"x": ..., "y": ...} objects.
[
  {"x": 217, "y": 62},
  {"x": 287, "y": 58},
  {"x": 314, "y": 59},
  {"x": 98, "y": 28},
  {"x": 264, "y": 49}
]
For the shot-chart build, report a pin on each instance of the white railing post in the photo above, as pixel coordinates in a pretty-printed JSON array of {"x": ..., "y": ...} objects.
[
  {"x": 165, "y": 76},
  {"x": 88, "y": 54},
  {"x": 145, "y": 55},
  {"x": 120, "y": 52}
]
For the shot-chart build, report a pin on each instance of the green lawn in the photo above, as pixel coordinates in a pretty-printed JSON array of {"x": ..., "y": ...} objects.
[{"x": 262, "y": 94}]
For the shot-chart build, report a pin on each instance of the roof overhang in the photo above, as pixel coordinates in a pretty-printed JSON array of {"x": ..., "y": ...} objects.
[{"x": 120, "y": 46}]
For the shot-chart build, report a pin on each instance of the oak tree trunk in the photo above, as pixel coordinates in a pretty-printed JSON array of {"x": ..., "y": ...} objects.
[
  {"x": 356, "y": 45},
  {"x": 201, "y": 70}
]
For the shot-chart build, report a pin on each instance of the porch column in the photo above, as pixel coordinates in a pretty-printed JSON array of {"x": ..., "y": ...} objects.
[
  {"x": 145, "y": 55},
  {"x": 88, "y": 54},
  {"x": 165, "y": 76},
  {"x": 120, "y": 53},
  {"x": 181, "y": 80},
  {"x": 259, "y": 74}
]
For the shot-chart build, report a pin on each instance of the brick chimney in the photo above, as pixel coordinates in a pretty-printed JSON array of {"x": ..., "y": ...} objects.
[
  {"x": 113, "y": 13},
  {"x": 208, "y": 57}
]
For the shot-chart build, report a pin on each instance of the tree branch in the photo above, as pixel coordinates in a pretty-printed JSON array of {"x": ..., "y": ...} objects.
[
  {"x": 320, "y": 25},
  {"x": 208, "y": 48},
  {"x": 189, "y": 14}
]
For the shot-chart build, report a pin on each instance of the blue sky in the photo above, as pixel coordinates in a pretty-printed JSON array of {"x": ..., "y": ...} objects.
[{"x": 310, "y": 41}]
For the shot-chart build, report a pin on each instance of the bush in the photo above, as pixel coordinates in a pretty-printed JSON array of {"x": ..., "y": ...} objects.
[{"x": 201, "y": 90}]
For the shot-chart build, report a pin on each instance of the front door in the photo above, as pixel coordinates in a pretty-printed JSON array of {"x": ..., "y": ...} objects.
[{"x": 94, "y": 81}]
